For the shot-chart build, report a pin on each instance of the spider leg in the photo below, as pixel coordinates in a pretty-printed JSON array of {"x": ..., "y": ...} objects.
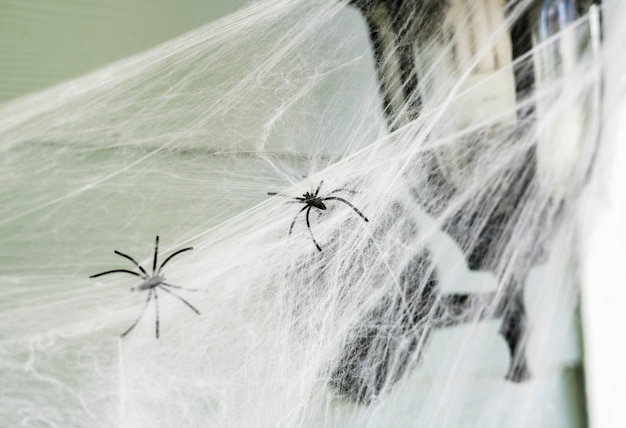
[
  {"x": 165, "y": 284},
  {"x": 116, "y": 270},
  {"x": 335, "y": 198},
  {"x": 171, "y": 256},
  {"x": 156, "y": 307},
  {"x": 126, "y": 256},
  {"x": 344, "y": 189},
  {"x": 140, "y": 315},
  {"x": 180, "y": 298},
  {"x": 295, "y": 199},
  {"x": 293, "y": 223},
  {"x": 156, "y": 252},
  {"x": 308, "y": 225},
  {"x": 317, "y": 192}
]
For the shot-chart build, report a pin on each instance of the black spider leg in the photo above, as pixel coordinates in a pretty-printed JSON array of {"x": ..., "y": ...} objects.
[
  {"x": 296, "y": 200},
  {"x": 179, "y": 298},
  {"x": 156, "y": 252},
  {"x": 317, "y": 192},
  {"x": 140, "y": 315},
  {"x": 171, "y": 256},
  {"x": 308, "y": 225},
  {"x": 156, "y": 307},
  {"x": 293, "y": 223},
  {"x": 126, "y": 256},
  {"x": 179, "y": 287},
  {"x": 117, "y": 270},
  {"x": 335, "y": 198},
  {"x": 344, "y": 189}
]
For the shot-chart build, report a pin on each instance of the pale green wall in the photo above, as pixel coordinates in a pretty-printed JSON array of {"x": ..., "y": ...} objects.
[{"x": 43, "y": 42}]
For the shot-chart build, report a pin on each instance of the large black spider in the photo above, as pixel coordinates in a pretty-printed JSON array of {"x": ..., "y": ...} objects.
[
  {"x": 152, "y": 283},
  {"x": 313, "y": 200}
]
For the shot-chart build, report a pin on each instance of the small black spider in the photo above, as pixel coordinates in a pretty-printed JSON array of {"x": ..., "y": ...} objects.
[
  {"x": 151, "y": 283},
  {"x": 313, "y": 200}
]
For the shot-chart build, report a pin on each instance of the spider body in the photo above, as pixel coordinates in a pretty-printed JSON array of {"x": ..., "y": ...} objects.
[
  {"x": 314, "y": 200},
  {"x": 152, "y": 283}
]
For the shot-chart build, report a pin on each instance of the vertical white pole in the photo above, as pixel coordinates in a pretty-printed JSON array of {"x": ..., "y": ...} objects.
[{"x": 604, "y": 250}]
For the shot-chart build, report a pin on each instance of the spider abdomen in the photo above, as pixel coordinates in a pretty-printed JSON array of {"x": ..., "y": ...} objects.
[
  {"x": 318, "y": 204},
  {"x": 151, "y": 282}
]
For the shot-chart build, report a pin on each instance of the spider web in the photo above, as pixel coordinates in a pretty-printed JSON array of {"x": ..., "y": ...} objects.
[{"x": 186, "y": 140}]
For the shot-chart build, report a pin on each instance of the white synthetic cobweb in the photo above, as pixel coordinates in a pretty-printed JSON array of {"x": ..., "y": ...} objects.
[{"x": 184, "y": 142}]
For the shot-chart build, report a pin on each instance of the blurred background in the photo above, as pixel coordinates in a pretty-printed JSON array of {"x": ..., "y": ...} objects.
[{"x": 44, "y": 42}]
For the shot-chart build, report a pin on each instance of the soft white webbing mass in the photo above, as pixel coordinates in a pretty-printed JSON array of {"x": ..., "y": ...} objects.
[{"x": 186, "y": 140}]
